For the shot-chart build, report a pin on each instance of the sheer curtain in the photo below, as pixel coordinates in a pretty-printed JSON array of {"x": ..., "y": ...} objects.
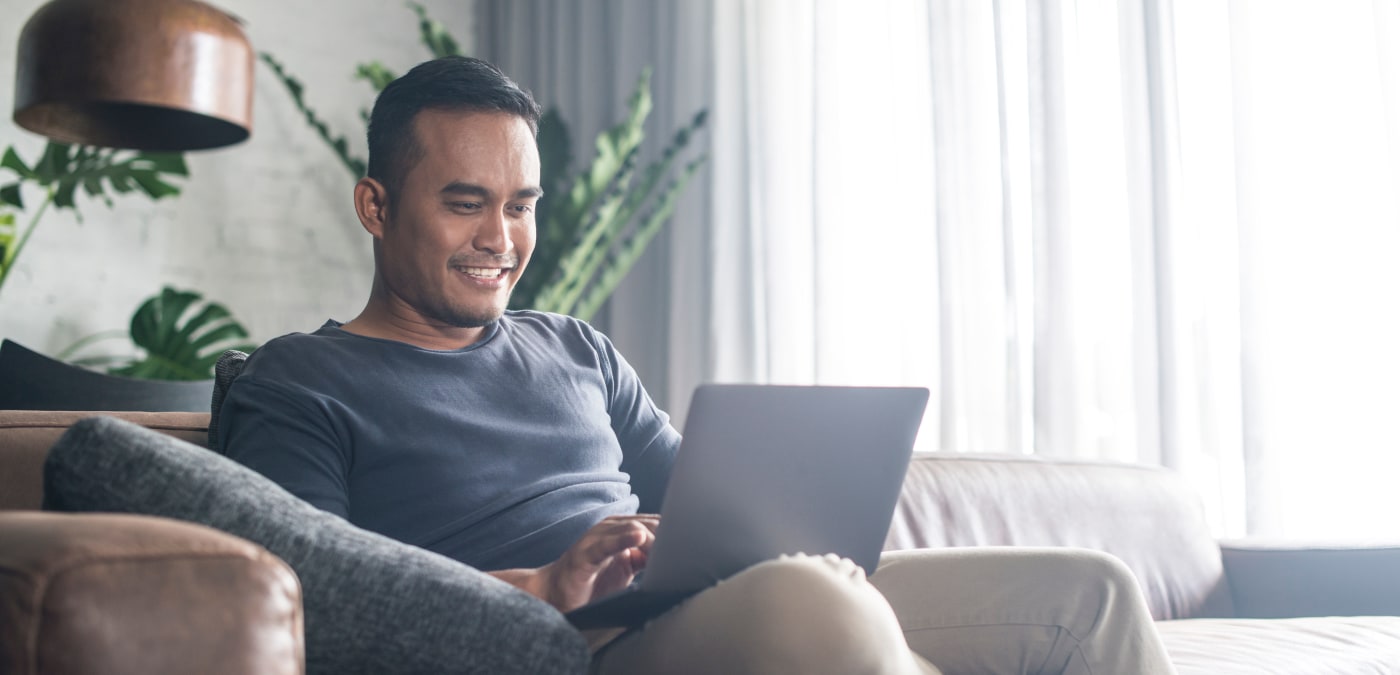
[
  {"x": 1317, "y": 147},
  {"x": 1135, "y": 230},
  {"x": 986, "y": 198}
]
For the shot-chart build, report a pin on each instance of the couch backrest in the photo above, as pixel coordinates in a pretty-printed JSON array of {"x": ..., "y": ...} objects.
[
  {"x": 1148, "y": 517},
  {"x": 27, "y": 435}
]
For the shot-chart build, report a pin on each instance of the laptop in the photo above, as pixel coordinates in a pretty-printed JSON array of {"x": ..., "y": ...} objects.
[{"x": 767, "y": 470}]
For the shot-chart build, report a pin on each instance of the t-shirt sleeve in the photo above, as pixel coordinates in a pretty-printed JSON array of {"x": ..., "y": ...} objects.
[
  {"x": 289, "y": 440},
  {"x": 648, "y": 440}
]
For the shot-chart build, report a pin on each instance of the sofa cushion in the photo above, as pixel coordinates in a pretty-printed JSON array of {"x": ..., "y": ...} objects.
[
  {"x": 1367, "y": 645},
  {"x": 372, "y": 604},
  {"x": 1147, "y": 517}
]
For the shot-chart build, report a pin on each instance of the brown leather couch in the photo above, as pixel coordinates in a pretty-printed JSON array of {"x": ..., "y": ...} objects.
[
  {"x": 117, "y": 594},
  {"x": 82, "y": 594},
  {"x": 1222, "y": 608}
]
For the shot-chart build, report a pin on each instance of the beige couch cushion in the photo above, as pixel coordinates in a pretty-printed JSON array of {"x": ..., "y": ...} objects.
[
  {"x": 1149, "y": 518},
  {"x": 1368, "y": 645}
]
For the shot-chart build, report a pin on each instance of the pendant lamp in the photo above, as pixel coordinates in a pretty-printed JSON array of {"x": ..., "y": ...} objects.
[{"x": 157, "y": 75}]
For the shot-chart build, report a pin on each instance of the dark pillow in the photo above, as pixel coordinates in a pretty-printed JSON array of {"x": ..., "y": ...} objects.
[
  {"x": 372, "y": 604},
  {"x": 31, "y": 381}
]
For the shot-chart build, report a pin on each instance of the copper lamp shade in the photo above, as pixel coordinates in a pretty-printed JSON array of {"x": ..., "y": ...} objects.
[{"x": 160, "y": 75}]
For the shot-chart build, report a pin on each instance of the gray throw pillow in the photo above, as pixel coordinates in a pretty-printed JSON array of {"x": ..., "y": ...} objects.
[{"x": 372, "y": 604}]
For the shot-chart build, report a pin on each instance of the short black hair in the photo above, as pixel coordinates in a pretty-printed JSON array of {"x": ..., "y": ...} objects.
[{"x": 450, "y": 82}]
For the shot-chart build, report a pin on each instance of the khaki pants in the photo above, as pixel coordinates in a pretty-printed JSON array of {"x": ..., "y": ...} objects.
[{"x": 1001, "y": 611}]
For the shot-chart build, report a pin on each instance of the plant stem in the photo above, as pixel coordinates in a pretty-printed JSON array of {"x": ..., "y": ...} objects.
[
  {"x": 24, "y": 239},
  {"x": 68, "y": 353}
]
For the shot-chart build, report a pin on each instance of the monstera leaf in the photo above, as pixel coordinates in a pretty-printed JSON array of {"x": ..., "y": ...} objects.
[{"x": 182, "y": 337}]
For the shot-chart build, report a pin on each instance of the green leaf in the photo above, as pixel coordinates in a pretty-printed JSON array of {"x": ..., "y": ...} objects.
[
  {"x": 169, "y": 307},
  {"x": 10, "y": 194},
  {"x": 375, "y": 74},
  {"x": 163, "y": 162},
  {"x": 64, "y": 168},
  {"x": 609, "y": 243},
  {"x": 180, "y": 348},
  {"x": 54, "y": 163},
  {"x": 631, "y": 251},
  {"x": 63, "y": 195},
  {"x": 152, "y": 185},
  {"x": 12, "y": 162},
  {"x": 434, "y": 34},
  {"x": 7, "y": 237}
]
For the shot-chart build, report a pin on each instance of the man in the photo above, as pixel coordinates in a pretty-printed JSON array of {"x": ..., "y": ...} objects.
[{"x": 522, "y": 443}]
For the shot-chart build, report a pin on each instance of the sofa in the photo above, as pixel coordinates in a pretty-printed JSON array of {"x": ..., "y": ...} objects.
[
  {"x": 1222, "y": 607},
  {"x": 365, "y": 603},
  {"x": 120, "y": 593}
]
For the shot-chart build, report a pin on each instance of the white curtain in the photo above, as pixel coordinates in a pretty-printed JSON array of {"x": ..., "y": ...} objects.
[
  {"x": 1316, "y": 99},
  {"x": 1136, "y": 229},
  {"x": 984, "y": 198}
]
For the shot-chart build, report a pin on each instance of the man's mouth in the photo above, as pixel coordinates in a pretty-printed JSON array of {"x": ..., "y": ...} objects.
[{"x": 483, "y": 272}]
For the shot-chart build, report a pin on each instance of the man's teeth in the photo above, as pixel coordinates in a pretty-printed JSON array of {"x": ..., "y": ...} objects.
[{"x": 484, "y": 272}]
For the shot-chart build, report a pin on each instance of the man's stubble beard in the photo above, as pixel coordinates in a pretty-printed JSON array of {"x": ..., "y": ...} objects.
[{"x": 463, "y": 317}]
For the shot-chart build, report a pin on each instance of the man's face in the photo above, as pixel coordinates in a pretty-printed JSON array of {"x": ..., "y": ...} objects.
[{"x": 461, "y": 228}]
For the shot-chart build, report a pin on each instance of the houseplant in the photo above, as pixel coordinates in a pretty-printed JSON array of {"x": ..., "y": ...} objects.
[
  {"x": 180, "y": 336},
  {"x": 592, "y": 227}
]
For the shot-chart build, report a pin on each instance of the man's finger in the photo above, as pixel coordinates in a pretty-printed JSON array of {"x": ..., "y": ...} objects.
[
  {"x": 603, "y": 545},
  {"x": 649, "y": 520}
]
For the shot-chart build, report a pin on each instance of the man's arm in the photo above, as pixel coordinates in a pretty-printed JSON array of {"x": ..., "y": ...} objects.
[
  {"x": 648, "y": 440},
  {"x": 285, "y": 439}
]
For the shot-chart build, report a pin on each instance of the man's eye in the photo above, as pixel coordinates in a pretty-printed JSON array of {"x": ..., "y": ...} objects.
[
  {"x": 523, "y": 208},
  {"x": 466, "y": 206}
]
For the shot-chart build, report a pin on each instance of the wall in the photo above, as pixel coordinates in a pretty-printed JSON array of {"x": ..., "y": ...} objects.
[{"x": 265, "y": 227}]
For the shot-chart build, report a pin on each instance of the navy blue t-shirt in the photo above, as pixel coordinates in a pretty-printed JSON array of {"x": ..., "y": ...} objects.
[{"x": 499, "y": 455}]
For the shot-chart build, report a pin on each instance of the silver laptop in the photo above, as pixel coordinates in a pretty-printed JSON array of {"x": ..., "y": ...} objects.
[{"x": 765, "y": 470}]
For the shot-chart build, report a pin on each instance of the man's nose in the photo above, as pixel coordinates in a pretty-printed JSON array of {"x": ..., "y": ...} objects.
[{"x": 494, "y": 234}]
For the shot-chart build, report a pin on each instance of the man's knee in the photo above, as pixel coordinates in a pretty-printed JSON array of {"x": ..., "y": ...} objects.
[
  {"x": 1080, "y": 571},
  {"x": 816, "y": 614}
]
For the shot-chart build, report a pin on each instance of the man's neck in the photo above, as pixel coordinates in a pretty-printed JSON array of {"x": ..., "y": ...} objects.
[{"x": 379, "y": 322}]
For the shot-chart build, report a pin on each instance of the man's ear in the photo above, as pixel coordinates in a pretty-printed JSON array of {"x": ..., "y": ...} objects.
[{"x": 372, "y": 206}]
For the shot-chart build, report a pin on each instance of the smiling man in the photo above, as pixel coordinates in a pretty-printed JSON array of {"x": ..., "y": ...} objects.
[
  {"x": 434, "y": 416},
  {"x": 521, "y": 443},
  {"x": 453, "y": 230}
]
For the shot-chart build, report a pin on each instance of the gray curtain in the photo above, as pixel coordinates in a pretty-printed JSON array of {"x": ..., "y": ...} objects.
[{"x": 584, "y": 57}]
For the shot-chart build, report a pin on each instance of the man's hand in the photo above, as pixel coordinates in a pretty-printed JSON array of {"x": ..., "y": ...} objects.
[{"x": 603, "y": 561}]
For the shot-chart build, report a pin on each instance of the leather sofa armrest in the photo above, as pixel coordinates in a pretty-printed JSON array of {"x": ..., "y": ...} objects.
[
  {"x": 1275, "y": 580},
  {"x": 118, "y": 594}
]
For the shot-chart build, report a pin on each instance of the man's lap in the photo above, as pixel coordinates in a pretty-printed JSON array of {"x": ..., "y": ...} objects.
[{"x": 795, "y": 614}]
